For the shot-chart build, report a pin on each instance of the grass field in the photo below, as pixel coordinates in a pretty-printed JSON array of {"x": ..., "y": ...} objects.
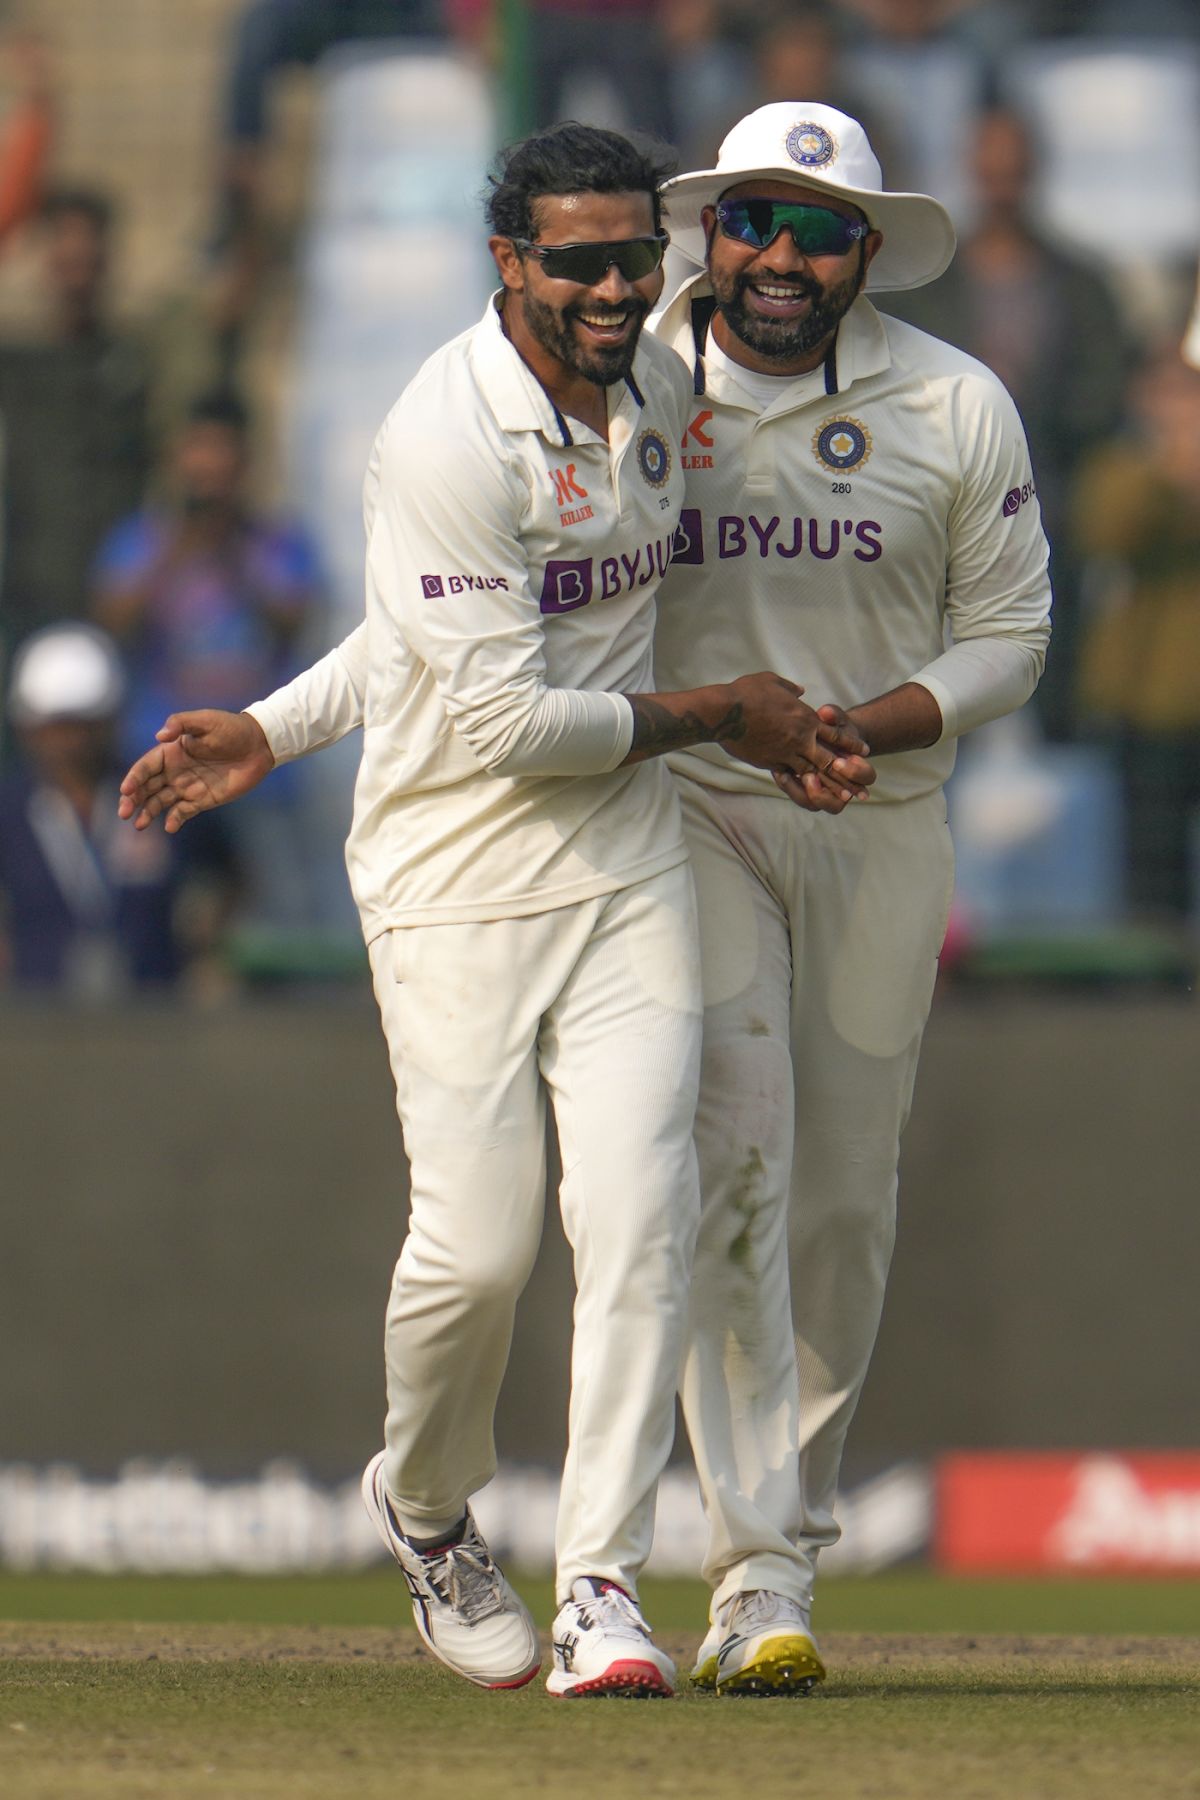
[{"x": 257, "y": 1689}]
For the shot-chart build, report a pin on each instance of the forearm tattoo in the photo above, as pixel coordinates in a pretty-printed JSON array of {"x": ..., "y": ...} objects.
[{"x": 656, "y": 727}]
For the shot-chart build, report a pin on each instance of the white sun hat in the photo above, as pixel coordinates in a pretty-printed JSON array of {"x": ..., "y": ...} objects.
[
  {"x": 818, "y": 147},
  {"x": 69, "y": 671}
]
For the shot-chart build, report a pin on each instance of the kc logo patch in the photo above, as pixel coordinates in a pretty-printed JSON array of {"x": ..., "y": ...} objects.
[
  {"x": 696, "y": 432},
  {"x": 841, "y": 444},
  {"x": 654, "y": 459},
  {"x": 566, "y": 488}
]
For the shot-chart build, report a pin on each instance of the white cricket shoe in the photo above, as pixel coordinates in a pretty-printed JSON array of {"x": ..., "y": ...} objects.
[
  {"x": 602, "y": 1647},
  {"x": 760, "y": 1644},
  {"x": 463, "y": 1608}
]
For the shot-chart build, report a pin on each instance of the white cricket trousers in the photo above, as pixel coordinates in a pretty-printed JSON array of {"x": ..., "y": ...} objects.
[
  {"x": 597, "y": 1004},
  {"x": 819, "y": 944}
]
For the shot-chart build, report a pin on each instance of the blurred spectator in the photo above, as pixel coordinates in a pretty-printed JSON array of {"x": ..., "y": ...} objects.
[
  {"x": 798, "y": 50},
  {"x": 208, "y": 600},
  {"x": 269, "y": 36},
  {"x": 927, "y": 67},
  {"x": 1137, "y": 510},
  {"x": 797, "y": 53},
  {"x": 88, "y": 907},
  {"x": 622, "y": 43},
  {"x": 25, "y": 137},
  {"x": 1049, "y": 326},
  {"x": 1110, "y": 18},
  {"x": 710, "y": 51},
  {"x": 73, "y": 407}
]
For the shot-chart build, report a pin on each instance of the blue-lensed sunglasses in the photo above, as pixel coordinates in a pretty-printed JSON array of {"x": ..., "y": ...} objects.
[{"x": 816, "y": 230}]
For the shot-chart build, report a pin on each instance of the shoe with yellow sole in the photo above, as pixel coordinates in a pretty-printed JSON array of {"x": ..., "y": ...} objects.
[{"x": 761, "y": 1645}]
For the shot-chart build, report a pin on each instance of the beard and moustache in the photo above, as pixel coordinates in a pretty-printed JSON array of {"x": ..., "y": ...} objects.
[
  {"x": 554, "y": 330},
  {"x": 783, "y": 339}
]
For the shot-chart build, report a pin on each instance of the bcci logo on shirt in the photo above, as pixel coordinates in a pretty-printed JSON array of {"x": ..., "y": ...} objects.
[
  {"x": 654, "y": 459},
  {"x": 811, "y": 145},
  {"x": 841, "y": 444}
]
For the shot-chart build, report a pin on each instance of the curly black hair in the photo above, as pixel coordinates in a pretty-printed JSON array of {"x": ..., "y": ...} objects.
[{"x": 570, "y": 158}]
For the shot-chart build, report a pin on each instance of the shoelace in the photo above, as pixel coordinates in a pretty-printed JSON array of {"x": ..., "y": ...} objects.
[
  {"x": 613, "y": 1608},
  {"x": 465, "y": 1578},
  {"x": 761, "y": 1607}
]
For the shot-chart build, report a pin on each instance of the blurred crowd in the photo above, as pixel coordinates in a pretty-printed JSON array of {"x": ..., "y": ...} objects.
[{"x": 140, "y": 573}]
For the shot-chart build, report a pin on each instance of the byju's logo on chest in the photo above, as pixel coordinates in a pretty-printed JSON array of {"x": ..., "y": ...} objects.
[{"x": 569, "y": 584}]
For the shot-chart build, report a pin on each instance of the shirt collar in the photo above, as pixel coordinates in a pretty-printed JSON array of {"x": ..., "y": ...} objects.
[
  {"x": 861, "y": 350},
  {"x": 517, "y": 397}
]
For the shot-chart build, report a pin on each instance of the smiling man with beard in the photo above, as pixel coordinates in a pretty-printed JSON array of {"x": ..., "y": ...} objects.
[
  {"x": 774, "y": 314},
  {"x": 862, "y": 492}
]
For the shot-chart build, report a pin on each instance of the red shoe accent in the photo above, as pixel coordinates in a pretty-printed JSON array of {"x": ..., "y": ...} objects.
[
  {"x": 496, "y": 1687},
  {"x": 640, "y": 1680}
]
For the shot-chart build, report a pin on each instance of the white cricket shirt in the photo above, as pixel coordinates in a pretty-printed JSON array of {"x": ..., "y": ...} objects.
[
  {"x": 844, "y": 530},
  {"x": 840, "y": 527},
  {"x": 513, "y": 557}
]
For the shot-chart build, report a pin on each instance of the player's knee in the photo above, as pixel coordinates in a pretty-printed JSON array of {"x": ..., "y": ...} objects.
[{"x": 488, "y": 1274}]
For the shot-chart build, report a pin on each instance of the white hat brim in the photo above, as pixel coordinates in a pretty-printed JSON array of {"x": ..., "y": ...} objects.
[{"x": 918, "y": 234}]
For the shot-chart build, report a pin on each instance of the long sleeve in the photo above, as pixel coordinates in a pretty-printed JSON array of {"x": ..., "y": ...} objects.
[
  {"x": 319, "y": 706},
  {"x": 997, "y": 581},
  {"x": 446, "y": 562}
]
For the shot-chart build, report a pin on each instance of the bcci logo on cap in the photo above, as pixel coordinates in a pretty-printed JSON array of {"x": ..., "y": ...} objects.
[
  {"x": 654, "y": 459},
  {"x": 841, "y": 444},
  {"x": 810, "y": 145}
]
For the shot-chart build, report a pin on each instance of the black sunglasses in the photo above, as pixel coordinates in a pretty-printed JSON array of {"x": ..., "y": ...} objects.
[
  {"x": 816, "y": 230},
  {"x": 588, "y": 264}
]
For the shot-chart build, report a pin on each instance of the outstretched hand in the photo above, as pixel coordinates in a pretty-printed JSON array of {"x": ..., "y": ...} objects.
[{"x": 201, "y": 760}]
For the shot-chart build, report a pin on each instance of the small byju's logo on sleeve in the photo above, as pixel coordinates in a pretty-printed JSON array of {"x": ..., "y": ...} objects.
[
  {"x": 1015, "y": 499},
  {"x": 432, "y": 586}
]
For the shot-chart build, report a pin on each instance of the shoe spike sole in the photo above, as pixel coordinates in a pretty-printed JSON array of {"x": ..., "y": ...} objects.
[
  {"x": 783, "y": 1676},
  {"x": 621, "y": 1681}
]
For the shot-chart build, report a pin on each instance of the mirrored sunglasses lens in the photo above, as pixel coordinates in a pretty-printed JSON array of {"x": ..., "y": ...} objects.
[{"x": 816, "y": 230}]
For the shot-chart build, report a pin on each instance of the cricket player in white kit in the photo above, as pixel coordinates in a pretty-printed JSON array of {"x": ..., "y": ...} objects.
[
  {"x": 522, "y": 878},
  {"x": 859, "y": 499},
  {"x": 863, "y": 491}
]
